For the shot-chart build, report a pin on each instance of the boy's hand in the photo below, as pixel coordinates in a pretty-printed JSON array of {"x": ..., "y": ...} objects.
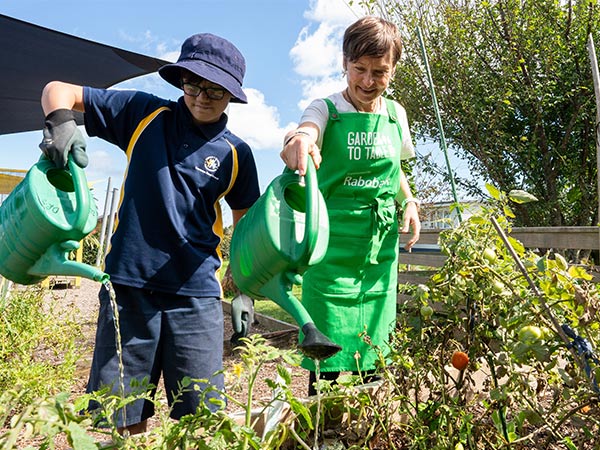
[{"x": 61, "y": 137}]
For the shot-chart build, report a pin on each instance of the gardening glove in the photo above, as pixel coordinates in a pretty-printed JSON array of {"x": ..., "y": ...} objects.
[
  {"x": 242, "y": 317},
  {"x": 61, "y": 137}
]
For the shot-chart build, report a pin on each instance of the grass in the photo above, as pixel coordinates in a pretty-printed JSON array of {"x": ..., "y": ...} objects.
[
  {"x": 38, "y": 352},
  {"x": 272, "y": 309}
]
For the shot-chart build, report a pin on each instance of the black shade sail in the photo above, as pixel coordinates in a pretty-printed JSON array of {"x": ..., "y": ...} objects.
[{"x": 31, "y": 56}]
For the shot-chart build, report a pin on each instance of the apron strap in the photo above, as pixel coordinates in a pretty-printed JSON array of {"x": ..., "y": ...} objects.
[
  {"x": 333, "y": 112},
  {"x": 391, "y": 110},
  {"x": 393, "y": 114}
]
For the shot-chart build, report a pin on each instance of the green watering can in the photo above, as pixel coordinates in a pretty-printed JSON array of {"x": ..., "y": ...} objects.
[
  {"x": 42, "y": 220},
  {"x": 281, "y": 235}
]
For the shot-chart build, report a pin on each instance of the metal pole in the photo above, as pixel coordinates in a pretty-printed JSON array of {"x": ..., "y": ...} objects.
[
  {"x": 104, "y": 223},
  {"x": 596, "y": 77},
  {"x": 439, "y": 122},
  {"x": 111, "y": 220}
]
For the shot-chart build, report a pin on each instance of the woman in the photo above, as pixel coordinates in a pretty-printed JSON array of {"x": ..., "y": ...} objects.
[{"x": 362, "y": 137}]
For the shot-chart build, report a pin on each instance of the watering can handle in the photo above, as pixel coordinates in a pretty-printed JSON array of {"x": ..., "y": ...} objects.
[
  {"x": 82, "y": 198},
  {"x": 311, "y": 225}
]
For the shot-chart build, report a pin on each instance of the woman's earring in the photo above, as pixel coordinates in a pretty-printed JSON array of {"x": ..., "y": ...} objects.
[{"x": 343, "y": 73}]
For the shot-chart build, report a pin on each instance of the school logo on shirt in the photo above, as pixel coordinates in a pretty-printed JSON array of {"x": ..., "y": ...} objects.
[{"x": 211, "y": 163}]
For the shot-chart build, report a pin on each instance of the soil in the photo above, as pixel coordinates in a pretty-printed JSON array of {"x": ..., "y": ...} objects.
[{"x": 84, "y": 300}]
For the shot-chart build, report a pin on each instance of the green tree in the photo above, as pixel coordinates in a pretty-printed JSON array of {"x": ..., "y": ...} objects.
[{"x": 514, "y": 86}]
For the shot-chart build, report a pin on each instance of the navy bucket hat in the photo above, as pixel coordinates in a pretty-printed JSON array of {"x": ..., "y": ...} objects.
[{"x": 212, "y": 58}]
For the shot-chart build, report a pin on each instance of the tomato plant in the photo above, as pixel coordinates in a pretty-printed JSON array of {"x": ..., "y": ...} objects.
[{"x": 526, "y": 375}]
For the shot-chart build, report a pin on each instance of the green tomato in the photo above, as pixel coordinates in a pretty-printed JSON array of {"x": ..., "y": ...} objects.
[
  {"x": 459, "y": 446},
  {"x": 497, "y": 287},
  {"x": 530, "y": 334},
  {"x": 489, "y": 255},
  {"x": 426, "y": 311}
]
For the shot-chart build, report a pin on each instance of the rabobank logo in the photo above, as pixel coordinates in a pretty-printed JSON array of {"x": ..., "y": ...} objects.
[{"x": 366, "y": 182}]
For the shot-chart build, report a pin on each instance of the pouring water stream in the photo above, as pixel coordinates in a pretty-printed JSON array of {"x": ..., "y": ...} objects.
[{"x": 118, "y": 342}]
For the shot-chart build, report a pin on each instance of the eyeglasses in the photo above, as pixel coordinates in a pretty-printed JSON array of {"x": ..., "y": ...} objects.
[{"x": 194, "y": 90}]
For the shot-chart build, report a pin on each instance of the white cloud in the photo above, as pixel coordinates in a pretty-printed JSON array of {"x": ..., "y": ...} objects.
[
  {"x": 152, "y": 45},
  {"x": 317, "y": 53},
  {"x": 153, "y": 83},
  {"x": 257, "y": 122},
  {"x": 319, "y": 88},
  {"x": 334, "y": 12},
  {"x": 170, "y": 56},
  {"x": 105, "y": 161}
]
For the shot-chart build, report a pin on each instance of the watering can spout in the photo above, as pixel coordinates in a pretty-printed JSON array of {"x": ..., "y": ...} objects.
[
  {"x": 55, "y": 261},
  {"x": 315, "y": 344}
]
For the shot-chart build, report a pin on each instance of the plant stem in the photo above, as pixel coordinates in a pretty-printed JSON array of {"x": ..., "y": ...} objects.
[
  {"x": 501, "y": 406},
  {"x": 299, "y": 439},
  {"x": 248, "y": 416}
]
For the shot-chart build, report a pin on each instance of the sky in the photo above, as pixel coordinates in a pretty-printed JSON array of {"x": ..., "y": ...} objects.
[{"x": 292, "y": 50}]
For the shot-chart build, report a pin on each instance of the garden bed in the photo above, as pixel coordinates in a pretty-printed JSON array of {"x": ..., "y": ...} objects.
[{"x": 83, "y": 301}]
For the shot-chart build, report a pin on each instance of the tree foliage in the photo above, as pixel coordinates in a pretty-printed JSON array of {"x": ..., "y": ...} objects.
[{"x": 514, "y": 86}]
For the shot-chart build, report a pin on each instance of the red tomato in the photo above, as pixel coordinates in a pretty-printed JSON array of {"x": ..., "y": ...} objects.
[{"x": 460, "y": 360}]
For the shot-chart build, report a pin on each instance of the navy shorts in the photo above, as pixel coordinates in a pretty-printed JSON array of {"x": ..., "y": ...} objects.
[{"x": 173, "y": 335}]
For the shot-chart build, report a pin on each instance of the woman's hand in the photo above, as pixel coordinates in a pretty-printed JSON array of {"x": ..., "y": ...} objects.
[
  {"x": 298, "y": 145},
  {"x": 411, "y": 221}
]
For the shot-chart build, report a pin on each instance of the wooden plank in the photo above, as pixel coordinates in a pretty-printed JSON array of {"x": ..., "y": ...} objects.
[
  {"x": 402, "y": 298},
  {"x": 579, "y": 238},
  {"x": 428, "y": 236},
  {"x": 415, "y": 276},
  {"x": 422, "y": 259},
  {"x": 5, "y": 287}
]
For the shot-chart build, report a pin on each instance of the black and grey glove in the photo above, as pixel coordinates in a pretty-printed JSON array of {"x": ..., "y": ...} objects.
[
  {"x": 242, "y": 317},
  {"x": 61, "y": 137}
]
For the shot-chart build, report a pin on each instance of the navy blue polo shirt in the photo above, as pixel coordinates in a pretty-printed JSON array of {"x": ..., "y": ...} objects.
[{"x": 169, "y": 224}]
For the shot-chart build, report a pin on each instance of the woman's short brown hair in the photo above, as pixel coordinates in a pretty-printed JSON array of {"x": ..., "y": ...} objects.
[{"x": 372, "y": 36}]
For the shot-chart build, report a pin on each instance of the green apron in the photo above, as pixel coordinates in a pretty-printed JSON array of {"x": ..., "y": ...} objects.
[{"x": 351, "y": 293}]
